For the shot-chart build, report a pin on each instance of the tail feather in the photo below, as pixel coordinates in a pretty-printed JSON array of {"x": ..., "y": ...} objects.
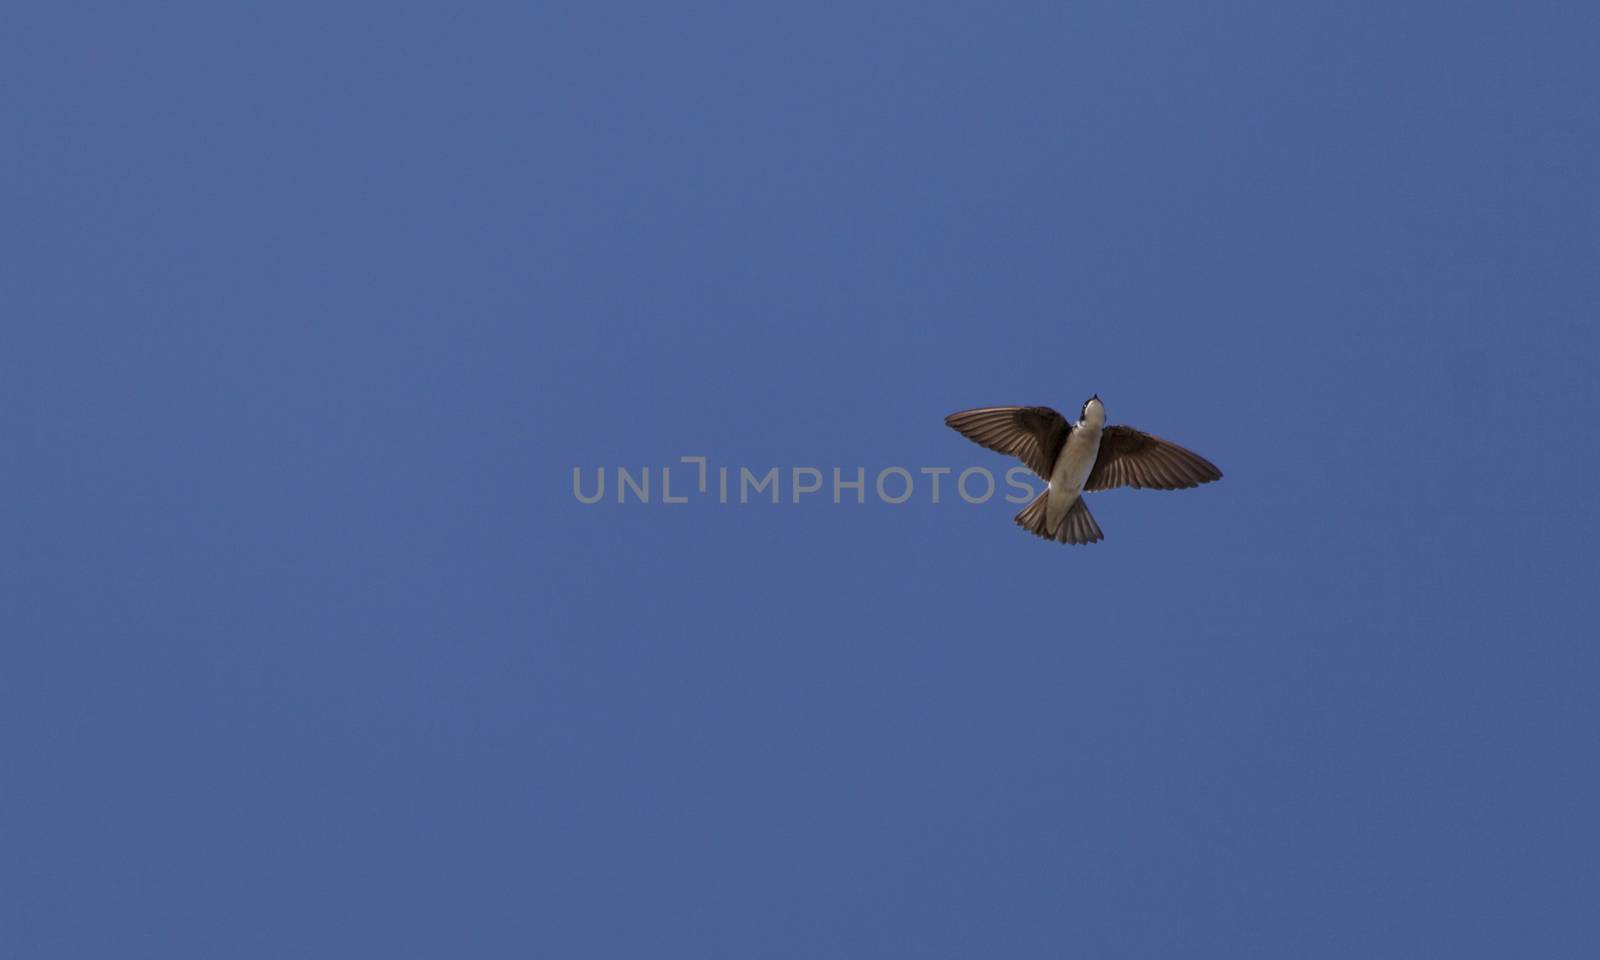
[
  {"x": 1077, "y": 526},
  {"x": 1031, "y": 518}
]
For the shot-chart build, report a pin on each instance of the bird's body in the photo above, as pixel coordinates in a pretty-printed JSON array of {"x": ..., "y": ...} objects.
[
  {"x": 1080, "y": 457},
  {"x": 1072, "y": 468}
]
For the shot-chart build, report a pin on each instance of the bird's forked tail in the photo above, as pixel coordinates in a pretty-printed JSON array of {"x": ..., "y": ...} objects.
[{"x": 1077, "y": 526}]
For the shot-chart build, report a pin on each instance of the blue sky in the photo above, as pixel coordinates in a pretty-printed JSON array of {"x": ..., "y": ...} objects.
[{"x": 310, "y": 650}]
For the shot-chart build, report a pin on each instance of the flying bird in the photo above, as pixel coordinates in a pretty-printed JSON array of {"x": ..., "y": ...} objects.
[{"x": 1079, "y": 457}]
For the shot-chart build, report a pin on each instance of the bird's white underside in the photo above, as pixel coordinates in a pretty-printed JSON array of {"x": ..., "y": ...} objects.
[{"x": 1072, "y": 467}]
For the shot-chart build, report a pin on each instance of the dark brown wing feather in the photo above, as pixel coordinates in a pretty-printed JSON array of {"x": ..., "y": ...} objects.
[
  {"x": 1133, "y": 458},
  {"x": 1034, "y": 435}
]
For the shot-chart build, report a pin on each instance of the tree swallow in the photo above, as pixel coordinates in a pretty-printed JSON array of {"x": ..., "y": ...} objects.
[{"x": 1079, "y": 457}]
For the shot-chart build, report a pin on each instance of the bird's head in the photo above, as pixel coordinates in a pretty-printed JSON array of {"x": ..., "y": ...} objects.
[{"x": 1094, "y": 412}]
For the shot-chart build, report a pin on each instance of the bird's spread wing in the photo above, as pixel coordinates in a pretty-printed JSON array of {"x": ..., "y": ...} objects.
[
  {"x": 1133, "y": 458},
  {"x": 1032, "y": 434}
]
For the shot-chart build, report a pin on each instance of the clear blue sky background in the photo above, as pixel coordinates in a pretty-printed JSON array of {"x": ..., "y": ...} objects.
[{"x": 310, "y": 311}]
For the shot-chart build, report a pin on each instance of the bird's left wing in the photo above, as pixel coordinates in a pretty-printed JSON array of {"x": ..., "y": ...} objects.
[
  {"x": 1034, "y": 435},
  {"x": 1133, "y": 458}
]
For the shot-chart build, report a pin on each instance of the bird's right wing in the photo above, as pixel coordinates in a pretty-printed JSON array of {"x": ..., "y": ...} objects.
[{"x": 1034, "y": 435}]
